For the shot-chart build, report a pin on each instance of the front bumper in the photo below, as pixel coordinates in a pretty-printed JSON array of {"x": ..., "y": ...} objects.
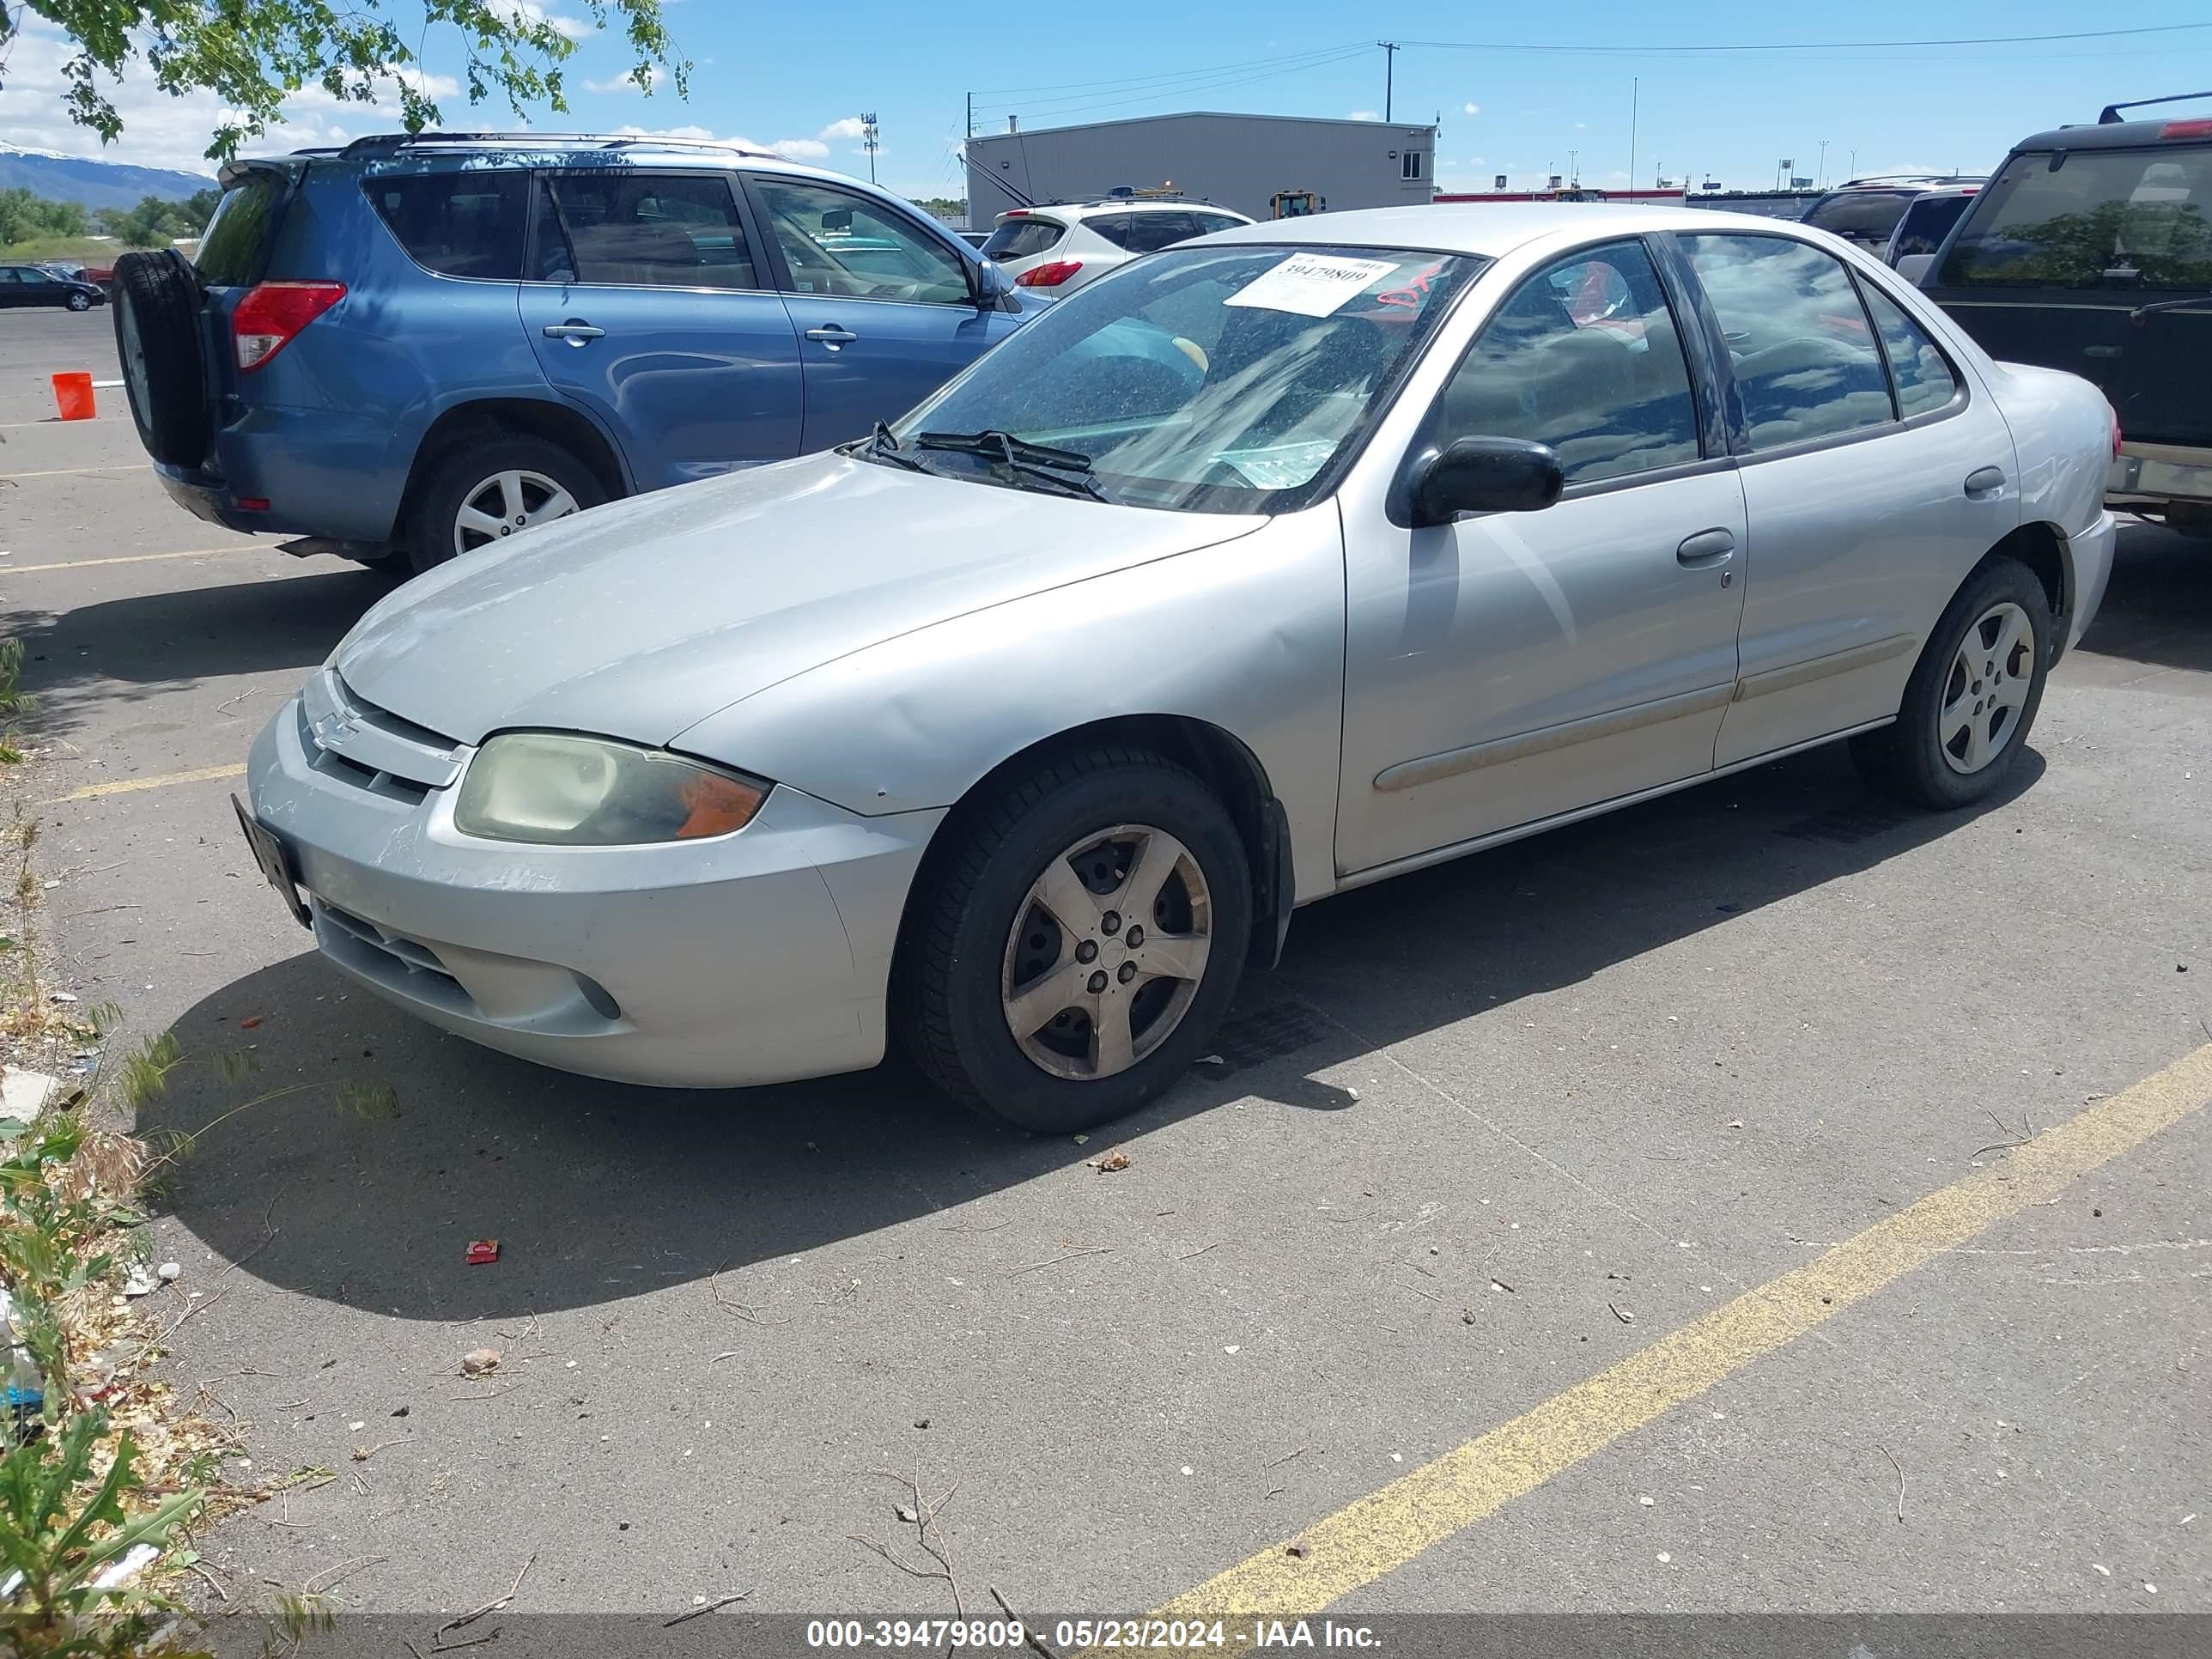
[{"x": 702, "y": 964}]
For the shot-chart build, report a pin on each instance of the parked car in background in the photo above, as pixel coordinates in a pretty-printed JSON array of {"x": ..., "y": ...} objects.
[
  {"x": 1867, "y": 211},
  {"x": 25, "y": 286},
  {"x": 975, "y": 239},
  {"x": 1299, "y": 556},
  {"x": 1063, "y": 246},
  {"x": 412, "y": 348},
  {"x": 1926, "y": 223},
  {"x": 2091, "y": 250}
]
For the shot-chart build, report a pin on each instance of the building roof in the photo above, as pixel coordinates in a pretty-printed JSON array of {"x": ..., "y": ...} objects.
[{"x": 1213, "y": 115}]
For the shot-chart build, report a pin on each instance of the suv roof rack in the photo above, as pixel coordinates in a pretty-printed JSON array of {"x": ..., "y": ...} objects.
[
  {"x": 2111, "y": 114},
  {"x": 389, "y": 143}
]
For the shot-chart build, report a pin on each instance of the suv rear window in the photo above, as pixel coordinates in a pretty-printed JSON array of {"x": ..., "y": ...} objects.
[
  {"x": 459, "y": 224},
  {"x": 1926, "y": 223},
  {"x": 237, "y": 236},
  {"x": 1864, "y": 216},
  {"x": 2111, "y": 218},
  {"x": 1022, "y": 239}
]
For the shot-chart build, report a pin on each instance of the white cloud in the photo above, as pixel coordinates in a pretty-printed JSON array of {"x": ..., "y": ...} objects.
[
  {"x": 1472, "y": 108},
  {"x": 792, "y": 149},
  {"x": 623, "y": 83},
  {"x": 529, "y": 11},
  {"x": 851, "y": 127},
  {"x": 1365, "y": 115},
  {"x": 1474, "y": 161},
  {"x": 1579, "y": 126}
]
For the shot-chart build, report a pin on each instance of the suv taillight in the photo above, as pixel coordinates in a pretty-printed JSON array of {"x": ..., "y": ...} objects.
[
  {"x": 2115, "y": 432},
  {"x": 1051, "y": 274},
  {"x": 2195, "y": 128},
  {"x": 272, "y": 312}
]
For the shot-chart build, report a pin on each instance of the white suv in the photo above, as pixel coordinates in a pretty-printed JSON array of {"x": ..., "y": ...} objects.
[{"x": 1060, "y": 247}]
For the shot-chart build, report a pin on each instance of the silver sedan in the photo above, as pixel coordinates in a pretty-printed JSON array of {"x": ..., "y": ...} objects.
[{"x": 1265, "y": 567}]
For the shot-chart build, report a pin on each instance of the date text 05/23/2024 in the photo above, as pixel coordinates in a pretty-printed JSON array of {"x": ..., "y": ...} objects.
[{"x": 1094, "y": 1635}]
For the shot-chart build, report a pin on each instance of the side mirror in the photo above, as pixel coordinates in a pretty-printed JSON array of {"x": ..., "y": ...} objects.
[
  {"x": 991, "y": 284},
  {"x": 1481, "y": 474}
]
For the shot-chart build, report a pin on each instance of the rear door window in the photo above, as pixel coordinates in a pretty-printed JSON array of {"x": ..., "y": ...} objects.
[
  {"x": 235, "y": 244},
  {"x": 1804, "y": 358},
  {"x": 1926, "y": 223},
  {"x": 1923, "y": 376},
  {"x": 459, "y": 224},
  {"x": 1210, "y": 223},
  {"x": 1023, "y": 239},
  {"x": 1150, "y": 232},
  {"x": 643, "y": 230},
  {"x": 2113, "y": 218}
]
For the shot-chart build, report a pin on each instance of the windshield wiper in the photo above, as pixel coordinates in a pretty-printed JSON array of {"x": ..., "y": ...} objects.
[
  {"x": 2142, "y": 312},
  {"x": 882, "y": 444},
  {"x": 1069, "y": 469}
]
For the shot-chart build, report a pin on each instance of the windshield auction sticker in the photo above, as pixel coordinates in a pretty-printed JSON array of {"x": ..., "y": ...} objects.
[{"x": 1311, "y": 284}]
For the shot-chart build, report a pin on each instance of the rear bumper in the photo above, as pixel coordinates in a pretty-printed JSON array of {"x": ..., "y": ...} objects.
[
  {"x": 323, "y": 472},
  {"x": 2091, "y": 554},
  {"x": 2150, "y": 475}
]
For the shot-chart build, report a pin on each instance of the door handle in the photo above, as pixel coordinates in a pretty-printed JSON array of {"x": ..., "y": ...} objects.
[
  {"x": 832, "y": 336},
  {"x": 1984, "y": 479},
  {"x": 1707, "y": 547},
  {"x": 576, "y": 332}
]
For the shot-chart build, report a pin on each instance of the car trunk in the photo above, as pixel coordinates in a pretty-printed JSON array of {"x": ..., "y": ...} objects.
[
  {"x": 235, "y": 254},
  {"x": 2073, "y": 260}
]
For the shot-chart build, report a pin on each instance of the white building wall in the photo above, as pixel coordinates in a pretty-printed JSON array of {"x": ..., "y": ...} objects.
[{"x": 1237, "y": 161}]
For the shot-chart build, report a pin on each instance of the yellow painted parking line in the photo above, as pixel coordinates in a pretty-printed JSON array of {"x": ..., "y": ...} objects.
[
  {"x": 126, "y": 785},
  {"x": 1386, "y": 1529},
  {"x": 69, "y": 472},
  {"x": 136, "y": 558}
]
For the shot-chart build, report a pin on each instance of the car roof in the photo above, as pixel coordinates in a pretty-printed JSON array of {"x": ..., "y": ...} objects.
[
  {"x": 435, "y": 151},
  {"x": 2119, "y": 135},
  {"x": 1492, "y": 228},
  {"x": 1117, "y": 204}
]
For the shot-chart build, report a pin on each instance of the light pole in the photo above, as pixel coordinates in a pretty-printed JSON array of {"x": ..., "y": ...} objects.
[
  {"x": 1574, "y": 170},
  {"x": 1823, "y": 143},
  {"x": 1855, "y": 164}
]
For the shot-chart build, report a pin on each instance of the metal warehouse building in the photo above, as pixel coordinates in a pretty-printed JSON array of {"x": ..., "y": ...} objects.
[{"x": 1240, "y": 161}]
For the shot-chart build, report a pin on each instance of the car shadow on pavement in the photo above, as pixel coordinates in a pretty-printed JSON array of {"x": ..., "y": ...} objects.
[
  {"x": 132, "y": 649},
  {"x": 2158, "y": 603},
  {"x": 331, "y": 1187}
]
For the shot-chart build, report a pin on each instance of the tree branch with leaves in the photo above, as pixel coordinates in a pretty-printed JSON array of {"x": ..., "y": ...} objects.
[{"x": 254, "y": 54}]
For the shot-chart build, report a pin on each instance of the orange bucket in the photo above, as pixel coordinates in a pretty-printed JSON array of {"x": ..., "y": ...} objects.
[{"x": 73, "y": 394}]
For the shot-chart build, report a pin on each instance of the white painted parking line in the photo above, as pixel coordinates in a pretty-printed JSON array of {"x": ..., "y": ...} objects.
[{"x": 138, "y": 558}]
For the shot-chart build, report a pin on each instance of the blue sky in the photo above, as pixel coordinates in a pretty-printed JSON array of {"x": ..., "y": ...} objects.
[{"x": 798, "y": 77}]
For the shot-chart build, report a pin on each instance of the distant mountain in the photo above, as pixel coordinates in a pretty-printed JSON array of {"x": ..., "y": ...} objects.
[{"x": 96, "y": 184}]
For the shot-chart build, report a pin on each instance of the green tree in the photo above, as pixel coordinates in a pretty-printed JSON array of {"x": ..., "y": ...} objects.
[
  {"x": 23, "y": 216},
  {"x": 253, "y": 54}
]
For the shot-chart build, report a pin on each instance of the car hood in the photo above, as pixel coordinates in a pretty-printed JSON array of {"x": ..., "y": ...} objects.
[{"x": 640, "y": 618}]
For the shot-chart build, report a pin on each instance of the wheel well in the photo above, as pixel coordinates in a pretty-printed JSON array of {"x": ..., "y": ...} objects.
[
  {"x": 2042, "y": 549},
  {"x": 531, "y": 417},
  {"x": 1218, "y": 760}
]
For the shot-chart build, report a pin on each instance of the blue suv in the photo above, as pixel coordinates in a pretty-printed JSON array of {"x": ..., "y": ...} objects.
[{"x": 406, "y": 348}]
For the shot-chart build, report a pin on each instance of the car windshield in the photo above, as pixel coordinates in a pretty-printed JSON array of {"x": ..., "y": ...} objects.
[
  {"x": 2115, "y": 218},
  {"x": 1218, "y": 380}
]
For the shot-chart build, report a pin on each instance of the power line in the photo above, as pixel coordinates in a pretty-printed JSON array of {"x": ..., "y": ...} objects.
[
  {"x": 1808, "y": 45},
  {"x": 1172, "y": 75}
]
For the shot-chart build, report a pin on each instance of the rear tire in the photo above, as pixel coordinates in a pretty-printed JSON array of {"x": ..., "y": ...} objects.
[
  {"x": 1053, "y": 1028},
  {"x": 495, "y": 481},
  {"x": 157, "y": 339},
  {"x": 1967, "y": 712}
]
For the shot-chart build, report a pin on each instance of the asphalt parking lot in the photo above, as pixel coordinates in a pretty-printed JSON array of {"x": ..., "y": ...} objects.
[{"x": 1490, "y": 1133}]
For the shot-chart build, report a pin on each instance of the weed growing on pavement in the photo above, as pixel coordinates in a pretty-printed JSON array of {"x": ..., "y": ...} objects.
[{"x": 14, "y": 704}]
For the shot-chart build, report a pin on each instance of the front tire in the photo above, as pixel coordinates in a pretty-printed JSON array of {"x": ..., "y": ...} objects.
[
  {"x": 494, "y": 488},
  {"x": 79, "y": 302},
  {"x": 1973, "y": 695},
  {"x": 1073, "y": 952}
]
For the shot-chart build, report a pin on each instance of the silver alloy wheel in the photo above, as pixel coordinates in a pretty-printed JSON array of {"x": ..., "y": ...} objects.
[
  {"x": 506, "y": 503},
  {"x": 80, "y": 302},
  {"x": 1106, "y": 951},
  {"x": 1986, "y": 688}
]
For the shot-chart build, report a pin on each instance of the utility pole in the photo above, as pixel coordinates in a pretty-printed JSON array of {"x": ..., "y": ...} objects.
[
  {"x": 868, "y": 144},
  {"x": 971, "y": 115},
  {"x": 1635, "y": 93},
  {"x": 1389, "y": 73}
]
